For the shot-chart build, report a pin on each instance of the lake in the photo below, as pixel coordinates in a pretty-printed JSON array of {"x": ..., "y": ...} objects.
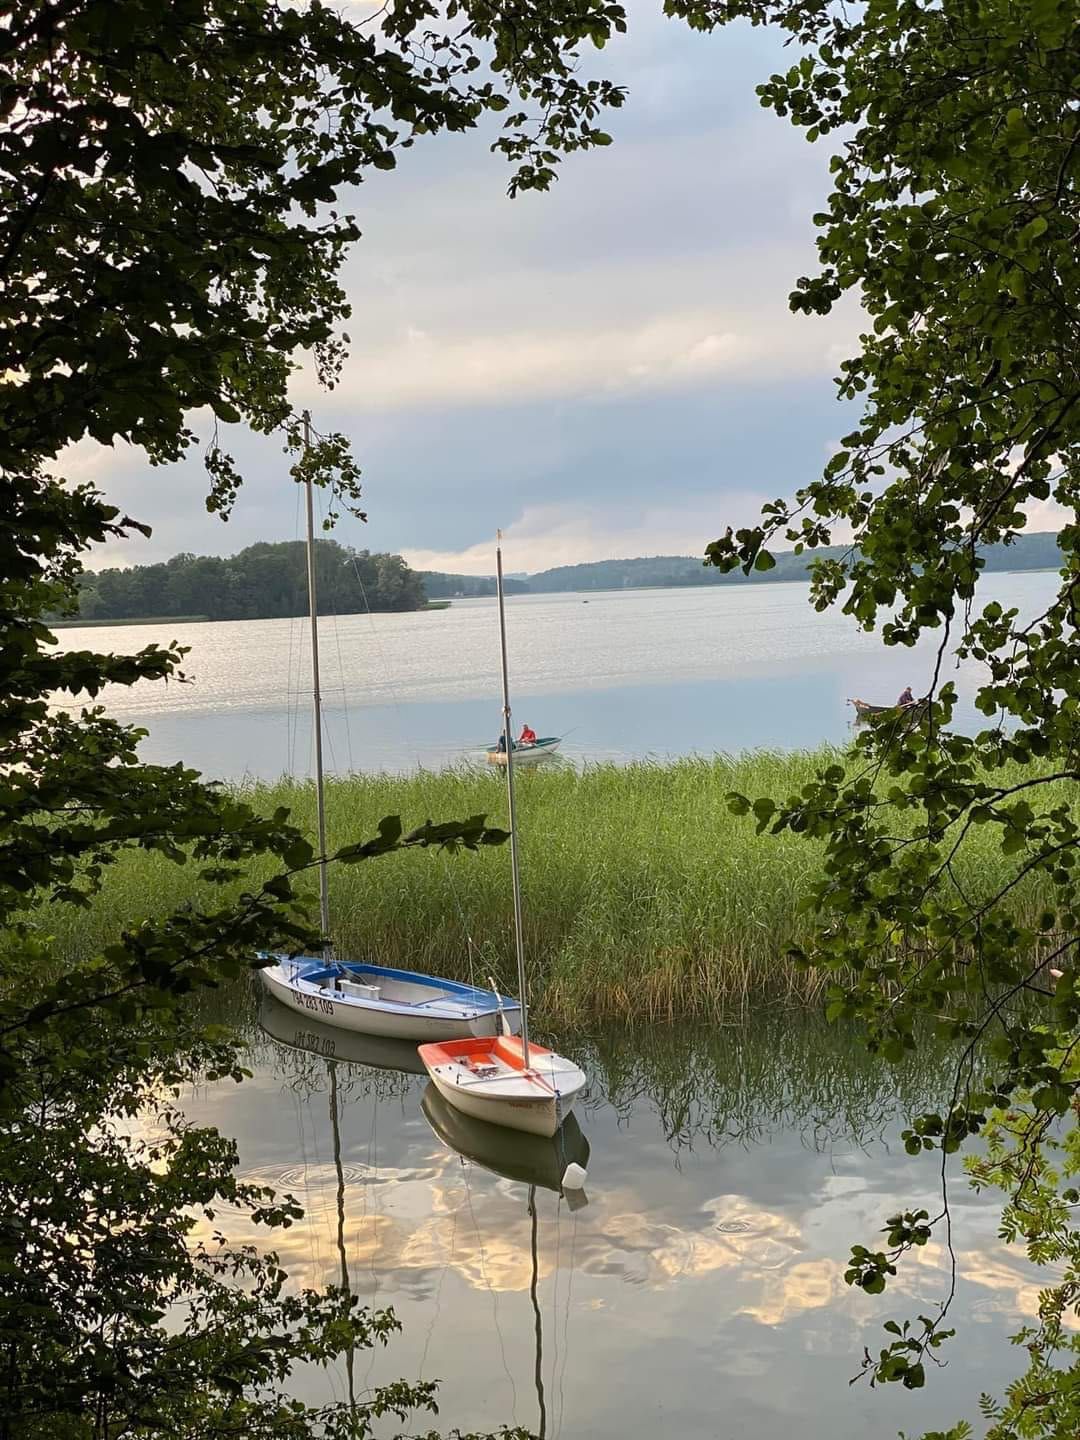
[
  {"x": 699, "y": 1292},
  {"x": 623, "y": 675}
]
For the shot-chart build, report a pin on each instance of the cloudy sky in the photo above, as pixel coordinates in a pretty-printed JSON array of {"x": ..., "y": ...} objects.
[{"x": 610, "y": 369}]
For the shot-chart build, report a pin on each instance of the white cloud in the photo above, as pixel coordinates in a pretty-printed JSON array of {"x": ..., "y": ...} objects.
[
  {"x": 1048, "y": 515},
  {"x": 549, "y": 535},
  {"x": 570, "y": 352}
]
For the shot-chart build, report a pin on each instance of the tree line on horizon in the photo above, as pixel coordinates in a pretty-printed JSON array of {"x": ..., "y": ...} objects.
[
  {"x": 269, "y": 580},
  {"x": 1039, "y": 551},
  {"x": 264, "y": 581}
]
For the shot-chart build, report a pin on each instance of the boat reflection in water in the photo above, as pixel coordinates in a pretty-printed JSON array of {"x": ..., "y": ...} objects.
[
  {"x": 514, "y": 1154},
  {"x": 304, "y": 1032},
  {"x": 535, "y": 1161}
]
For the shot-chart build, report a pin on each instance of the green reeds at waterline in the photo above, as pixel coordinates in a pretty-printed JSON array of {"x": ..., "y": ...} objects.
[{"x": 644, "y": 897}]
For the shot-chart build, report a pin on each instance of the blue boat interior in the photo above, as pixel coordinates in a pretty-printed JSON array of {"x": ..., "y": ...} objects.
[{"x": 380, "y": 984}]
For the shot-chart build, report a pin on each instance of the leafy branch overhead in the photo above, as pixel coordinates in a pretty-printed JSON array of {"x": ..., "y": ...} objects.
[
  {"x": 954, "y": 217},
  {"x": 182, "y": 173},
  {"x": 176, "y": 188}
]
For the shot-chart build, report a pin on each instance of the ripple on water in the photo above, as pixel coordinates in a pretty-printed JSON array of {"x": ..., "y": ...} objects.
[{"x": 315, "y": 1184}]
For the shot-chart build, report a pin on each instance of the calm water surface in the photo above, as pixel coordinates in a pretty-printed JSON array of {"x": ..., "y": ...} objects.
[
  {"x": 624, "y": 675},
  {"x": 700, "y": 1290}
]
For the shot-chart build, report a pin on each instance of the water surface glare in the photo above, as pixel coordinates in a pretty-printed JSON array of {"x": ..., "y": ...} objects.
[
  {"x": 623, "y": 675},
  {"x": 700, "y": 1290}
]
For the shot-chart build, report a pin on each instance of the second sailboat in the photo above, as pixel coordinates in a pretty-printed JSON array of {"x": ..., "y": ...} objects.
[{"x": 505, "y": 1080}]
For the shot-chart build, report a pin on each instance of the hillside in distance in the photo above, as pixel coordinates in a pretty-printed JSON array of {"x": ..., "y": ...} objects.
[{"x": 1038, "y": 551}]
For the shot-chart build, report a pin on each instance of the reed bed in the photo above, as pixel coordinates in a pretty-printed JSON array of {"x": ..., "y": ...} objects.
[{"x": 644, "y": 897}]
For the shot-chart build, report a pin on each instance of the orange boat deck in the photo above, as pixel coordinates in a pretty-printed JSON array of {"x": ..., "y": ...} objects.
[{"x": 479, "y": 1053}]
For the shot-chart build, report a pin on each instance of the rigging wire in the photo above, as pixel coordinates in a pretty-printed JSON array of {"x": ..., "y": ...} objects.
[
  {"x": 341, "y": 686},
  {"x": 492, "y": 1292},
  {"x": 437, "y": 1310},
  {"x": 291, "y": 690},
  {"x": 372, "y": 1215},
  {"x": 566, "y": 1322},
  {"x": 555, "y": 1298},
  {"x": 477, "y": 958}
]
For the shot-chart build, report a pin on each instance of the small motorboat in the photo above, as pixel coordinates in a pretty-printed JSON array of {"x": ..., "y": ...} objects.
[
  {"x": 865, "y": 711},
  {"x": 285, "y": 1025},
  {"x": 376, "y": 1000},
  {"x": 526, "y": 754},
  {"x": 491, "y": 1080},
  {"x": 530, "y": 1159}
]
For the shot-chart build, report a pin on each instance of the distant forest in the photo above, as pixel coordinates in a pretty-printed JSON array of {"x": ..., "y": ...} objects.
[
  {"x": 438, "y": 586},
  {"x": 268, "y": 580},
  {"x": 261, "y": 582}
]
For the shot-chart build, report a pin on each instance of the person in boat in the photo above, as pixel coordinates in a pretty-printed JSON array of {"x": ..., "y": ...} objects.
[
  {"x": 500, "y": 748},
  {"x": 906, "y": 699},
  {"x": 527, "y": 736}
]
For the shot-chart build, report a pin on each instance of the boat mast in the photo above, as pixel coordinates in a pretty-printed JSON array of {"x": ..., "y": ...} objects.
[
  {"x": 346, "y": 1289},
  {"x": 320, "y": 799},
  {"x": 538, "y": 1375},
  {"x": 519, "y": 937}
]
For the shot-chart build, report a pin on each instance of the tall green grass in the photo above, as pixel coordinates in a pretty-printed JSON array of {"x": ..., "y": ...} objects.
[{"x": 643, "y": 895}]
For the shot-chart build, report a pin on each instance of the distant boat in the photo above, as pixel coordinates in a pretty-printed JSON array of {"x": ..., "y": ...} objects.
[
  {"x": 526, "y": 754},
  {"x": 865, "y": 711},
  {"x": 371, "y": 999},
  {"x": 505, "y": 1080}
]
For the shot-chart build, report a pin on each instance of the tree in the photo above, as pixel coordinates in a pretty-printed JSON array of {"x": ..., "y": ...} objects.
[
  {"x": 955, "y": 215},
  {"x": 170, "y": 238}
]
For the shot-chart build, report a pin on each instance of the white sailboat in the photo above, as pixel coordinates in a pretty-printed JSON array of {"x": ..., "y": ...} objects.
[
  {"x": 355, "y": 995},
  {"x": 502, "y": 1079}
]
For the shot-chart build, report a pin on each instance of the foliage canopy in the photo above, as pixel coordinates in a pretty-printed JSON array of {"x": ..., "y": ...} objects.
[
  {"x": 172, "y": 188},
  {"x": 954, "y": 214}
]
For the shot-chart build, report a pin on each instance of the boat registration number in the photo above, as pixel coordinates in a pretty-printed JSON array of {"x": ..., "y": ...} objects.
[{"x": 314, "y": 1002}]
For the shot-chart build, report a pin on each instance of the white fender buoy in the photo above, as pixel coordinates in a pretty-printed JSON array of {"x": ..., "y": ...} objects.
[{"x": 573, "y": 1177}]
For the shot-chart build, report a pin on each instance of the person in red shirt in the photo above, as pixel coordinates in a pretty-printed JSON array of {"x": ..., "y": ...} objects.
[{"x": 527, "y": 736}]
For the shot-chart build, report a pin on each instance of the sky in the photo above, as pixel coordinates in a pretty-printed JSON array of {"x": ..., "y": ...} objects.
[{"x": 607, "y": 370}]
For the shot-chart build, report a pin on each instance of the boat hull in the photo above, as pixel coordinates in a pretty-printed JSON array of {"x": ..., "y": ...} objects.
[
  {"x": 394, "y": 1022},
  {"x": 527, "y": 754},
  {"x": 533, "y": 1117},
  {"x": 910, "y": 714},
  {"x": 537, "y": 1100}
]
